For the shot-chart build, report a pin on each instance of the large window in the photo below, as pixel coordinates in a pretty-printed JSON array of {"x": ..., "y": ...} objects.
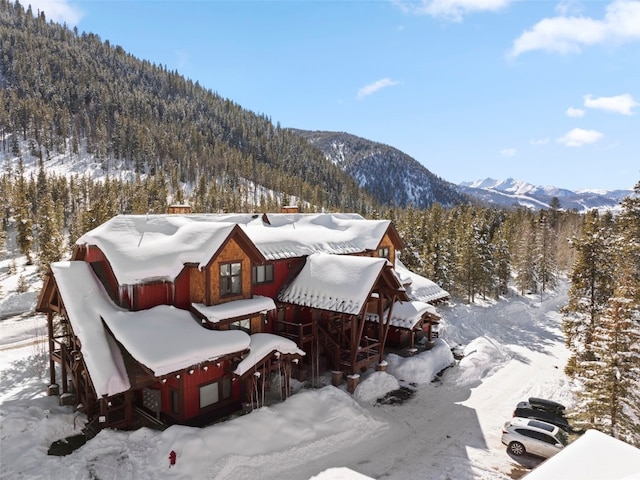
[
  {"x": 263, "y": 274},
  {"x": 213, "y": 393},
  {"x": 383, "y": 252},
  {"x": 230, "y": 279}
]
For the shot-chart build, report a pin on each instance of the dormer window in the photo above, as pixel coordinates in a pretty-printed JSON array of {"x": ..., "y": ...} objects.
[
  {"x": 383, "y": 252},
  {"x": 230, "y": 279}
]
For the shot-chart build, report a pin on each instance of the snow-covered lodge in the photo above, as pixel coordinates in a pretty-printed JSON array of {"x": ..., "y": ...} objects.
[{"x": 184, "y": 318}]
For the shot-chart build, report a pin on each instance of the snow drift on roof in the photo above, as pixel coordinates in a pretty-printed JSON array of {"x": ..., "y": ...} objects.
[
  {"x": 142, "y": 248},
  {"x": 334, "y": 282},
  {"x": 86, "y": 301},
  {"x": 166, "y": 339},
  {"x": 298, "y": 235},
  {"x": 406, "y": 314},
  {"x": 146, "y": 247},
  {"x": 418, "y": 287},
  {"x": 237, "y": 308},
  {"x": 262, "y": 344}
]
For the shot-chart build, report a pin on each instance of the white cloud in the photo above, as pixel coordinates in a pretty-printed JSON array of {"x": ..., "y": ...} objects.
[
  {"x": 508, "y": 152},
  {"x": 452, "y": 10},
  {"x": 568, "y": 34},
  {"x": 374, "y": 87},
  {"x": 59, "y": 11},
  {"x": 579, "y": 137},
  {"x": 575, "y": 112},
  {"x": 566, "y": 7},
  {"x": 623, "y": 104}
]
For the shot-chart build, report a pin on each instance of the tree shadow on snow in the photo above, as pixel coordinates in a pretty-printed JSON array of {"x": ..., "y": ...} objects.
[
  {"x": 31, "y": 373},
  {"x": 431, "y": 435}
]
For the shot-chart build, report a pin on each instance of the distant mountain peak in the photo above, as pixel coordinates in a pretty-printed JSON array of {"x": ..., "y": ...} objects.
[{"x": 511, "y": 192}]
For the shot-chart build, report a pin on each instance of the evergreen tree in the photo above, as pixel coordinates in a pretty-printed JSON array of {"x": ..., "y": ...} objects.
[
  {"x": 502, "y": 259},
  {"x": 592, "y": 280},
  {"x": 609, "y": 399},
  {"x": 50, "y": 238},
  {"x": 525, "y": 264},
  {"x": 546, "y": 267},
  {"x": 23, "y": 218},
  {"x": 628, "y": 231}
]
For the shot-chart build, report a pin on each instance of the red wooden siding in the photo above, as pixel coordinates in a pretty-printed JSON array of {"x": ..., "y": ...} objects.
[
  {"x": 188, "y": 387},
  {"x": 151, "y": 295},
  {"x": 281, "y": 272},
  {"x": 182, "y": 298}
]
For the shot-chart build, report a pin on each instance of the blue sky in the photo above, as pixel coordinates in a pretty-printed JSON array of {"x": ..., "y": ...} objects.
[{"x": 546, "y": 92}]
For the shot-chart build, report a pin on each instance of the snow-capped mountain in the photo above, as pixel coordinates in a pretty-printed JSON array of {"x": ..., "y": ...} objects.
[
  {"x": 511, "y": 192},
  {"x": 391, "y": 176}
]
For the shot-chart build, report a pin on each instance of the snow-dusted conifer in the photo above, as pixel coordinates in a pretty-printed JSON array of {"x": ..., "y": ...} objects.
[
  {"x": 610, "y": 398},
  {"x": 545, "y": 263},
  {"x": 50, "y": 239},
  {"x": 592, "y": 281},
  {"x": 525, "y": 258}
]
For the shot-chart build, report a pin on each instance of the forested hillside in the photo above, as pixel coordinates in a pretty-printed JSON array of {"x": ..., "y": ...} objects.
[
  {"x": 392, "y": 177},
  {"x": 71, "y": 93}
]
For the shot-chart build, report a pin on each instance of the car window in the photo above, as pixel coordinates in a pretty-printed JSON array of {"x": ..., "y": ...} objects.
[
  {"x": 543, "y": 437},
  {"x": 541, "y": 425},
  {"x": 562, "y": 437}
]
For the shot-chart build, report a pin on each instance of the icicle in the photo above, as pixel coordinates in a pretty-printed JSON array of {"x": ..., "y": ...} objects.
[{"x": 130, "y": 291}]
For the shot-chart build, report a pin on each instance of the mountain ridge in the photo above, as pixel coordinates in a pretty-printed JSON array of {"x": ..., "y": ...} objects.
[
  {"x": 388, "y": 174},
  {"x": 510, "y": 192}
]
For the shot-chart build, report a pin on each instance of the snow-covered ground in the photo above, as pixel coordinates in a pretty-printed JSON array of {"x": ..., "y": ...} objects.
[{"x": 449, "y": 429}]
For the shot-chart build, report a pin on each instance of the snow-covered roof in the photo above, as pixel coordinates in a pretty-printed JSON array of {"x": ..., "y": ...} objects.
[
  {"x": 406, "y": 314},
  {"x": 156, "y": 247},
  {"x": 262, "y": 344},
  {"x": 237, "y": 308},
  {"x": 86, "y": 302},
  {"x": 334, "y": 282},
  {"x": 166, "y": 339},
  {"x": 419, "y": 287},
  {"x": 595, "y": 456},
  {"x": 297, "y": 235}
]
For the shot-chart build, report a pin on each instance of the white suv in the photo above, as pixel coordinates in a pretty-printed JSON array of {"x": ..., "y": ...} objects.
[{"x": 525, "y": 435}]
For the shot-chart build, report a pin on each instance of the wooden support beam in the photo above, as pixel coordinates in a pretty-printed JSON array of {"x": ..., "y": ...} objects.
[
  {"x": 52, "y": 363},
  {"x": 381, "y": 332},
  {"x": 63, "y": 369},
  {"x": 383, "y": 340}
]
